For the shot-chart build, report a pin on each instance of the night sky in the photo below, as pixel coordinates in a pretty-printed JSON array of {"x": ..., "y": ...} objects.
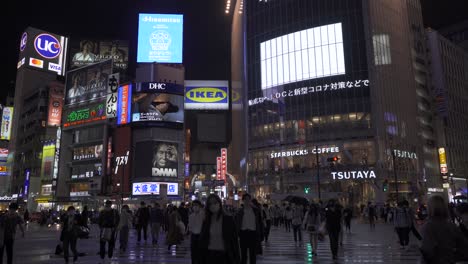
[{"x": 206, "y": 28}]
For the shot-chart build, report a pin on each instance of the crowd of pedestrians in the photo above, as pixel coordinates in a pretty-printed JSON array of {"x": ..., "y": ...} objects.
[{"x": 225, "y": 234}]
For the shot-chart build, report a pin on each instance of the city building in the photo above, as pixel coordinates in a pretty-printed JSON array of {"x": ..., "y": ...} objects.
[
  {"x": 457, "y": 34},
  {"x": 449, "y": 70},
  {"x": 337, "y": 97}
]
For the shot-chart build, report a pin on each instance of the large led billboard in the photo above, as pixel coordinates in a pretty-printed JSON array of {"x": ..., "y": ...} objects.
[
  {"x": 7, "y": 118},
  {"x": 41, "y": 50},
  {"x": 206, "y": 95},
  {"x": 86, "y": 51},
  {"x": 88, "y": 83},
  {"x": 48, "y": 156},
  {"x": 160, "y": 38},
  {"x": 157, "y": 102},
  {"x": 157, "y": 159},
  {"x": 84, "y": 115},
  {"x": 303, "y": 55}
]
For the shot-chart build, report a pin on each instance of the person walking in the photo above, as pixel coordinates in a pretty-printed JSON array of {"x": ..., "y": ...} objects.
[
  {"x": 26, "y": 217},
  {"x": 69, "y": 235},
  {"x": 372, "y": 215},
  {"x": 462, "y": 210},
  {"x": 442, "y": 242},
  {"x": 156, "y": 219},
  {"x": 288, "y": 215},
  {"x": 174, "y": 233},
  {"x": 195, "y": 223},
  {"x": 402, "y": 222},
  {"x": 348, "y": 215},
  {"x": 84, "y": 217},
  {"x": 296, "y": 222},
  {"x": 142, "y": 220},
  {"x": 8, "y": 222},
  {"x": 125, "y": 223},
  {"x": 333, "y": 225},
  {"x": 219, "y": 242},
  {"x": 108, "y": 222},
  {"x": 266, "y": 214},
  {"x": 249, "y": 224},
  {"x": 311, "y": 224}
]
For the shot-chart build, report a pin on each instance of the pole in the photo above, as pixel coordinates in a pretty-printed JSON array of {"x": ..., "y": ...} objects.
[
  {"x": 121, "y": 187},
  {"x": 318, "y": 172},
  {"x": 395, "y": 175}
]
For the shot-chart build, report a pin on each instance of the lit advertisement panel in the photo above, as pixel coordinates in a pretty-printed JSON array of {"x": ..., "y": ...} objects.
[
  {"x": 48, "y": 156},
  {"x": 88, "y": 84},
  {"x": 206, "y": 95},
  {"x": 7, "y": 117},
  {"x": 55, "y": 104},
  {"x": 303, "y": 55},
  {"x": 3, "y": 154},
  {"x": 112, "y": 90},
  {"x": 153, "y": 188},
  {"x": 160, "y": 102},
  {"x": 443, "y": 161},
  {"x": 157, "y": 159},
  {"x": 160, "y": 38},
  {"x": 124, "y": 96},
  {"x": 43, "y": 50},
  {"x": 86, "y": 51},
  {"x": 84, "y": 115}
]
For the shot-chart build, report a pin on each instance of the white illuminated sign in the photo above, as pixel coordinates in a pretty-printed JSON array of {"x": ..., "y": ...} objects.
[
  {"x": 347, "y": 175},
  {"x": 435, "y": 190},
  {"x": 328, "y": 87},
  {"x": 303, "y": 55},
  {"x": 153, "y": 188},
  {"x": 404, "y": 154},
  {"x": 303, "y": 152}
]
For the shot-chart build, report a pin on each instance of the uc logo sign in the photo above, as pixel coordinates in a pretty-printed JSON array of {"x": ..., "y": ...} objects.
[
  {"x": 207, "y": 95},
  {"x": 47, "y": 46}
]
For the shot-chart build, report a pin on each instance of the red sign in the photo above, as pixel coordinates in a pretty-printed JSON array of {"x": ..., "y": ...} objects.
[
  {"x": 218, "y": 168},
  {"x": 55, "y": 104},
  {"x": 223, "y": 163},
  {"x": 124, "y": 105}
]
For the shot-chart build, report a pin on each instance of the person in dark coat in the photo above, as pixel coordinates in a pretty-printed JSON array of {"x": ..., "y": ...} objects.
[
  {"x": 250, "y": 229},
  {"x": 142, "y": 221},
  {"x": 84, "y": 217},
  {"x": 333, "y": 225},
  {"x": 69, "y": 235},
  {"x": 219, "y": 241}
]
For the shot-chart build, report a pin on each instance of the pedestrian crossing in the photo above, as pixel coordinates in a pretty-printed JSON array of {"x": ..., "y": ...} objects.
[{"x": 361, "y": 246}]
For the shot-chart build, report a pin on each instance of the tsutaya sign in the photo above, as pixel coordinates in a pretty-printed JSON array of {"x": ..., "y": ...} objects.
[
  {"x": 348, "y": 175},
  {"x": 404, "y": 154},
  {"x": 303, "y": 152}
]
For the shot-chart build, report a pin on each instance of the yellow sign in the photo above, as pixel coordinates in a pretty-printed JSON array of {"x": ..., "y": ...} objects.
[
  {"x": 206, "y": 95},
  {"x": 443, "y": 161},
  {"x": 3, "y": 169}
]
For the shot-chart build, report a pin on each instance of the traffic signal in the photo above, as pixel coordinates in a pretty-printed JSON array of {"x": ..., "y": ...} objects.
[
  {"x": 333, "y": 159},
  {"x": 385, "y": 186},
  {"x": 306, "y": 190}
]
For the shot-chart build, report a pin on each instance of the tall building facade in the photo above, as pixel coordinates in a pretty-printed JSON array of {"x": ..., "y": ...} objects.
[
  {"x": 334, "y": 108},
  {"x": 449, "y": 70}
]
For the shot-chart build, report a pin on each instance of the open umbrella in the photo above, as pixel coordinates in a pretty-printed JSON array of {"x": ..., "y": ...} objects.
[{"x": 296, "y": 200}]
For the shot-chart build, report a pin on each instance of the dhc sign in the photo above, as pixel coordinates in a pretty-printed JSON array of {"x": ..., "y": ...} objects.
[
  {"x": 206, "y": 95},
  {"x": 353, "y": 175}
]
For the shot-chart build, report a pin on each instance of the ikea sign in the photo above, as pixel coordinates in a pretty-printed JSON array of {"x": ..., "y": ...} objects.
[{"x": 206, "y": 95}]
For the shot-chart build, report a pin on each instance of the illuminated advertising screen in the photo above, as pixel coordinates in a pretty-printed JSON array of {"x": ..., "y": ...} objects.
[
  {"x": 443, "y": 161},
  {"x": 206, "y": 95},
  {"x": 7, "y": 117},
  {"x": 160, "y": 102},
  {"x": 160, "y": 38},
  {"x": 3, "y": 154},
  {"x": 85, "y": 52},
  {"x": 124, "y": 97},
  {"x": 42, "y": 50},
  {"x": 84, "y": 115},
  {"x": 55, "y": 104},
  {"x": 88, "y": 84},
  {"x": 153, "y": 188},
  {"x": 48, "y": 155},
  {"x": 162, "y": 162},
  {"x": 88, "y": 152},
  {"x": 303, "y": 55},
  {"x": 3, "y": 171}
]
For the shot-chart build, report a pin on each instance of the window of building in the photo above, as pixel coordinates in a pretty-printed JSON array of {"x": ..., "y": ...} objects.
[{"x": 382, "y": 54}]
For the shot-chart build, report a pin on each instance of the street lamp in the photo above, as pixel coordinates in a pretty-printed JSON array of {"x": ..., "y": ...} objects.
[
  {"x": 318, "y": 171},
  {"x": 395, "y": 174}
]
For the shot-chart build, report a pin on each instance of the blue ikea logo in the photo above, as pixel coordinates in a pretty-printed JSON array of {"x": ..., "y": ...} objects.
[{"x": 203, "y": 95}]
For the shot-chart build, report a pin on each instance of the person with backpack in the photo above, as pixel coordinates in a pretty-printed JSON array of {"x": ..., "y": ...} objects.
[
  {"x": 108, "y": 222},
  {"x": 142, "y": 220},
  {"x": 69, "y": 236},
  {"x": 8, "y": 223},
  {"x": 156, "y": 219}
]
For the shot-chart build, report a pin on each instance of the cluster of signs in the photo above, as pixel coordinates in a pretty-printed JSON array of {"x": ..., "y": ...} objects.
[
  {"x": 221, "y": 165},
  {"x": 154, "y": 188}
]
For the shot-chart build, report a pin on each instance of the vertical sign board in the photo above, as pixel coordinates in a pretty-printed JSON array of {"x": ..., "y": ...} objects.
[
  {"x": 55, "y": 104},
  {"x": 223, "y": 163},
  {"x": 6, "y": 123},
  {"x": 218, "y": 168},
  {"x": 112, "y": 89},
  {"x": 26, "y": 184},
  {"x": 443, "y": 165},
  {"x": 123, "y": 104}
]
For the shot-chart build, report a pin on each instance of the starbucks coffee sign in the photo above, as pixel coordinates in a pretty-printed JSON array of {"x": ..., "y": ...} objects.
[
  {"x": 353, "y": 175},
  {"x": 303, "y": 152}
]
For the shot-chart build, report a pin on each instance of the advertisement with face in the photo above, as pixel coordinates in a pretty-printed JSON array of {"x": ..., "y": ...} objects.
[
  {"x": 158, "y": 102},
  {"x": 55, "y": 104},
  {"x": 165, "y": 159},
  {"x": 86, "y": 52},
  {"x": 88, "y": 83}
]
